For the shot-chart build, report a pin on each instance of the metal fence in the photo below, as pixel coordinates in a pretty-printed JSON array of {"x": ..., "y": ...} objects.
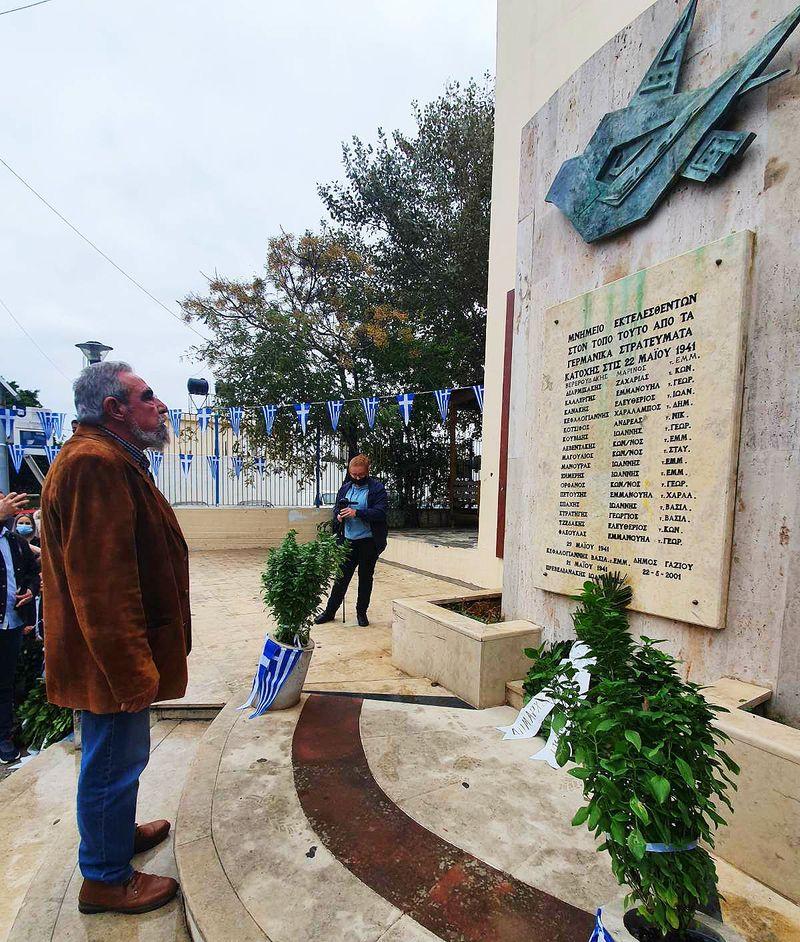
[{"x": 212, "y": 467}]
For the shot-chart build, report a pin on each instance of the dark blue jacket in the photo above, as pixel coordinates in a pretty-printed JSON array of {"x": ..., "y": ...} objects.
[
  {"x": 26, "y": 575},
  {"x": 375, "y": 514}
]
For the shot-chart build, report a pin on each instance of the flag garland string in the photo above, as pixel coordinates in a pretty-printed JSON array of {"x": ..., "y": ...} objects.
[{"x": 52, "y": 423}]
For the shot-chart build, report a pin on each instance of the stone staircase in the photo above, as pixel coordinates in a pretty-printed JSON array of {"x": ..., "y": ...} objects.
[{"x": 41, "y": 884}]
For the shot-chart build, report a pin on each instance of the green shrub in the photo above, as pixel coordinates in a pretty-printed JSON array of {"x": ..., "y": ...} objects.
[
  {"x": 294, "y": 582},
  {"x": 647, "y": 752},
  {"x": 41, "y": 722}
]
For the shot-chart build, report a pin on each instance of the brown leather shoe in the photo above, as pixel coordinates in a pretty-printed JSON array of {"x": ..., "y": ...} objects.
[
  {"x": 142, "y": 893},
  {"x": 149, "y": 835}
]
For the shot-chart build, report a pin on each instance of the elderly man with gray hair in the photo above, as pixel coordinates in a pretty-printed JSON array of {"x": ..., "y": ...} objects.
[{"x": 116, "y": 589}]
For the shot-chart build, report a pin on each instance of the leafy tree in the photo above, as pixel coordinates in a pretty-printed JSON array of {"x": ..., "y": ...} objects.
[
  {"x": 389, "y": 295},
  {"x": 25, "y": 397},
  {"x": 421, "y": 204}
]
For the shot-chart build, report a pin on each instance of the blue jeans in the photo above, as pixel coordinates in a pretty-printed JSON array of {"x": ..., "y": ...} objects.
[{"x": 115, "y": 748}]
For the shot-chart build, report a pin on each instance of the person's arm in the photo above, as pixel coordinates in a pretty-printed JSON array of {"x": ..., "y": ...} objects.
[
  {"x": 98, "y": 520},
  {"x": 377, "y": 512}
]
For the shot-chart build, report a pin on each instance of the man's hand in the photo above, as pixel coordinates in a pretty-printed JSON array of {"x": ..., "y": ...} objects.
[
  {"x": 141, "y": 702},
  {"x": 11, "y": 504},
  {"x": 346, "y": 513},
  {"x": 23, "y": 598}
]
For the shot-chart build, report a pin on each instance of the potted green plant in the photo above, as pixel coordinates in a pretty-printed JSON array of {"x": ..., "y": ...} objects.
[
  {"x": 645, "y": 747},
  {"x": 294, "y": 581}
]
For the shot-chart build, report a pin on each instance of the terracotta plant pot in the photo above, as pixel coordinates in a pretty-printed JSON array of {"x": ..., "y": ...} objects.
[
  {"x": 289, "y": 694},
  {"x": 644, "y": 932}
]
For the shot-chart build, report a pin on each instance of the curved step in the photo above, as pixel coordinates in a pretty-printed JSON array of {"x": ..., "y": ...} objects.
[
  {"x": 214, "y": 911},
  {"x": 49, "y": 908}
]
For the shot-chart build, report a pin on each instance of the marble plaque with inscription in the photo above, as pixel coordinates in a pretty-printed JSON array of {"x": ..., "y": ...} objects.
[{"x": 637, "y": 433}]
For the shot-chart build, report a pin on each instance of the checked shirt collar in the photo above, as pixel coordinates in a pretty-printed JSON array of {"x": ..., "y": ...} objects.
[{"x": 136, "y": 453}]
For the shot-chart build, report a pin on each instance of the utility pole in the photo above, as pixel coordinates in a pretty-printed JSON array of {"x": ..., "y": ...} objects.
[{"x": 5, "y": 482}]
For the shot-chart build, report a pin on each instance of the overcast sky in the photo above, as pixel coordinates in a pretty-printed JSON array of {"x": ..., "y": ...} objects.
[{"x": 179, "y": 135}]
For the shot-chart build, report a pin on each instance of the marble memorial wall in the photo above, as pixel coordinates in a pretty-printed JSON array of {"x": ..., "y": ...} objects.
[{"x": 638, "y": 427}]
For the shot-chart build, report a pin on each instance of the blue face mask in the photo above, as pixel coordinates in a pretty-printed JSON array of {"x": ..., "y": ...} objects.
[{"x": 24, "y": 529}]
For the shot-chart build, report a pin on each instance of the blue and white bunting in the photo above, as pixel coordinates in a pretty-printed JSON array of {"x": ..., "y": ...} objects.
[
  {"x": 443, "y": 401},
  {"x": 478, "y": 390},
  {"x": 7, "y": 417},
  {"x": 156, "y": 460},
  {"x": 260, "y": 463},
  {"x": 175, "y": 416},
  {"x": 335, "y": 411},
  {"x": 269, "y": 413},
  {"x": 302, "y": 409},
  {"x": 52, "y": 423},
  {"x": 404, "y": 403},
  {"x": 237, "y": 462},
  {"x": 235, "y": 416},
  {"x": 370, "y": 405},
  {"x": 276, "y": 663},
  {"x": 600, "y": 933},
  {"x": 58, "y": 424},
  {"x": 51, "y": 451},
  {"x": 17, "y": 453},
  {"x": 213, "y": 465},
  {"x": 186, "y": 462},
  {"x": 204, "y": 416}
]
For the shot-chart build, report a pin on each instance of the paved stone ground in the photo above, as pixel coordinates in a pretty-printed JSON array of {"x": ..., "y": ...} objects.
[
  {"x": 37, "y": 830},
  {"x": 229, "y": 624},
  {"x": 421, "y": 756},
  {"x": 461, "y": 538}
]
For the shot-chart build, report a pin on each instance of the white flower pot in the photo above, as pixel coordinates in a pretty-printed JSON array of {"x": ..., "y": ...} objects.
[{"x": 289, "y": 694}]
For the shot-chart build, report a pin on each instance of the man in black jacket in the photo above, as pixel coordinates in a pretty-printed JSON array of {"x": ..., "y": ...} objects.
[
  {"x": 359, "y": 518},
  {"x": 19, "y": 584}
]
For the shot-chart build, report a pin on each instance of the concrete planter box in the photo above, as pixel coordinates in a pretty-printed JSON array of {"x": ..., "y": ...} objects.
[
  {"x": 472, "y": 660},
  {"x": 762, "y": 837}
]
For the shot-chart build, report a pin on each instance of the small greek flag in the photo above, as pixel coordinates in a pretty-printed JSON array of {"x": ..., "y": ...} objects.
[
  {"x": 17, "y": 453},
  {"x": 260, "y": 464},
  {"x": 334, "y": 411},
  {"x": 600, "y": 934},
  {"x": 186, "y": 462},
  {"x": 213, "y": 465},
  {"x": 58, "y": 423},
  {"x": 443, "y": 401},
  {"x": 156, "y": 458},
  {"x": 51, "y": 422},
  {"x": 235, "y": 415},
  {"x": 51, "y": 451},
  {"x": 175, "y": 416},
  {"x": 478, "y": 390},
  {"x": 269, "y": 413},
  {"x": 238, "y": 463},
  {"x": 371, "y": 409},
  {"x": 7, "y": 417},
  {"x": 404, "y": 403},
  {"x": 274, "y": 667},
  {"x": 302, "y": 410},
  {"x": 204, "y": 417}
]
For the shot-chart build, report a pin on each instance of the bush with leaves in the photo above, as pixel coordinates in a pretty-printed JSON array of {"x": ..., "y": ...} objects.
[
  {"x": 42, "y": 723},
  {"x": 295, "y": 580},
  {"x": 648, "y": 754}
]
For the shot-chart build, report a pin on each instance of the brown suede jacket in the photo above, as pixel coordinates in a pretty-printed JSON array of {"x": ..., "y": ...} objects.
[{"x": 115, "y": 574}]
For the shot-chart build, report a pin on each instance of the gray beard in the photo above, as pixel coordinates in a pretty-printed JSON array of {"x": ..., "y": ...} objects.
[{"x": 157, "y": 440}]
